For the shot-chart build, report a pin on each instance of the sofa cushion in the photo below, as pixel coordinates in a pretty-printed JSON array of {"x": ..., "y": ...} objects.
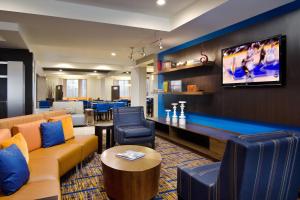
[
  {"x": 43, "y": 168},
  {"x": 67, "y": 125},
  {"x": 68, "y": 155},
  {"x": 89, "y": 144},
  {"x": 36, "y": 190},
  {"x": 31, "y": 132},
  {"x": 135, "y": 131},
  {"x": 14, "y": 170},
  {"x": 4, "y": 135},
  {"x": 20, "y": 141},
  {"x": 52, "y": 134}
]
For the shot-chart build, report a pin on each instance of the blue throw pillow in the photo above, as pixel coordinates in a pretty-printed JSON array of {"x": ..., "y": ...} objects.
[
  {"x": 52, "y": 134},
  {"x": 14, "y": 170}
]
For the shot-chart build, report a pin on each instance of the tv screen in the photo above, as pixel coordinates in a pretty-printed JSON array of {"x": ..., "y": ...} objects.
[{"x": 254, "y": 63}]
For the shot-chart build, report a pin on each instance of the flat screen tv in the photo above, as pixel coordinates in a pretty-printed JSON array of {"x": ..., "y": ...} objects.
[{"x": 256, "y": 63}]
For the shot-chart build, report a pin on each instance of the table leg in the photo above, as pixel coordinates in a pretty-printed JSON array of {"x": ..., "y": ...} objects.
[
  {"x": 99, "y": 134},
  {"x": 113, "y": 143},
  {"x": 108, "y": 138}
]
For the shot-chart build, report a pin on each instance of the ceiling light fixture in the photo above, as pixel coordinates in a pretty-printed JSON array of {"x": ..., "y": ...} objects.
[
  {"x": 113, "y": 54},
  {"x": 95, "y": 71},
  {"x": 60, "y": 70},
  {"x": 143, "y": 53},
  {"x": 160, "y": 44},
  {"x": 160, "y": 2},
  {"x": 131, "y": 54}
]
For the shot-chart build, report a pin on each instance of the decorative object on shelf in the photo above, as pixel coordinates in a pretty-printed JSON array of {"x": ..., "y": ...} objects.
[
  {"x": 203, "y": 58},
  {"x": 176, "y": 86},
  {"x": 168, "y": 119},
  {"x": 181, "y": 63},
  {"x": 192, "y": 88},
  {"x": 168, "y": 65},
  {"x": 166, "y": 86},
  {"x": 182, "y": 123},
  {"x": 182, "y": 116},
  {"x": 174, "y": 117}
]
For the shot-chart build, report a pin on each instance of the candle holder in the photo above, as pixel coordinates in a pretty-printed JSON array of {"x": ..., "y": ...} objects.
[
  {"x": 182, "y": 116},
  {"x": 174, "y": 117},
  {"x": 168, "y": 119},
  {"x": 182, "y": 123}
]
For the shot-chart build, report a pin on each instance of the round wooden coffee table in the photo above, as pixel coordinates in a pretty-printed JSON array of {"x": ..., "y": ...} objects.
[{"x": 131, "y": 180}]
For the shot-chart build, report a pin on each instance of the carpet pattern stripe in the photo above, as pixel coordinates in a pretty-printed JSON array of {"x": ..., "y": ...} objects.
[{"x": 88, "y": 183}]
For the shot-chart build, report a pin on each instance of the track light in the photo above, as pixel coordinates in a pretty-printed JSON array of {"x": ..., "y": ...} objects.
[
  {"x": 143, "y": 53},
  {"x": 131, "y": 54},
  {"x": 160, "y": 44}
]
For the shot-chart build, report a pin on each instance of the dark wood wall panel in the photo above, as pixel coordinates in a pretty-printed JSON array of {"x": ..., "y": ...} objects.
[
  {"x": 26, "y": 57},
  {"x": 280, "y": 105}
]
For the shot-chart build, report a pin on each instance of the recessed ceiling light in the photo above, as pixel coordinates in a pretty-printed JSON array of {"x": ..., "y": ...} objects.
[
  {"x": 113, "y": 54},
  {"x": 160, "y": 2},
  {"x": 60, "y": 70},
  {"x": 95, "y": 71}
]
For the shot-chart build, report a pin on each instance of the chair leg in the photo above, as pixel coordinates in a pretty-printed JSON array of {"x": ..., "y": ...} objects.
[{"x": 153, "y": 144}]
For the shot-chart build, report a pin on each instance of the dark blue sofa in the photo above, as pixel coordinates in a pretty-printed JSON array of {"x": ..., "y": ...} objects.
[
  {"x": 256, "y": 167},
  {"x": 131, "y": 127}
]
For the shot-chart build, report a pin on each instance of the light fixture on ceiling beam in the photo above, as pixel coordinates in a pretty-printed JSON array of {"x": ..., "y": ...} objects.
[
  {"x": 95, "y": 71},
  {"x": 113, "y": 54},
  {"x": 143, "y": 53},
  {"x": 160, "y": 44},
  {"x": 131, "y": 54},
  {"x": 160, "y": 2},
  {"x": 60, "y": 70}
]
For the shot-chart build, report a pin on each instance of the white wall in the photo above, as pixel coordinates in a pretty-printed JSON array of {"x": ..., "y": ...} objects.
[
  {"x": 138, "y": 86},
  {"x": 94, "y": 88}
]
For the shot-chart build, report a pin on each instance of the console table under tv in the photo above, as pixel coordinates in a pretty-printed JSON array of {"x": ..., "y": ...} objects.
[{"x": 202, "y": 139}]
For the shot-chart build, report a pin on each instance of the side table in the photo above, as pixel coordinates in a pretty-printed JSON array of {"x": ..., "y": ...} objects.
[
  {"x": 110, "y": 141},
  {"x": 89, "y": 116}
]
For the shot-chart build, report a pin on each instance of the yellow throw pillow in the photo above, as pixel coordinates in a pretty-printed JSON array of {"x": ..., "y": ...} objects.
[
  {"x": 67, "y": 124},
  {"x": 20, "y": 141}
]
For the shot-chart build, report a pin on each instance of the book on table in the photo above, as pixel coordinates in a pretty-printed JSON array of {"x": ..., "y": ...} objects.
[{"x": 130, "y": 155}]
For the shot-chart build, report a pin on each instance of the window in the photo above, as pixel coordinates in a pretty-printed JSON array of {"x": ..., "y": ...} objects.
[
  {"x": 72, "y": 88},
  {"x": 124, "y": 88},
  {"x": 76, "y": 88},
  {"x": 83, "y": 88}
]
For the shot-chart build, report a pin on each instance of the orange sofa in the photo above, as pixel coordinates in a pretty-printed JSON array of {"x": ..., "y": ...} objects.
[{"x": 46, "y": 165}]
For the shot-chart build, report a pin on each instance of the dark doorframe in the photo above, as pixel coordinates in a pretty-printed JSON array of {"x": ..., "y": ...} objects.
[{"x": 115, "y": 92}]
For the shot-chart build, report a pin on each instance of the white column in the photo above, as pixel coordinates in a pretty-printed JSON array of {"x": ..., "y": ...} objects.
[{"x": 138, "y": 87}]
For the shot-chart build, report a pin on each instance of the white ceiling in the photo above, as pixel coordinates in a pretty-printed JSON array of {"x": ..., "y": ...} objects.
[
  {"x": 69, "y": 41},
  {"x": 141, "y": 6}
]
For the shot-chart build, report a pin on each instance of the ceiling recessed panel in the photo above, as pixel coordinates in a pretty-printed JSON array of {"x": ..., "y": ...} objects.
[{"x": 148, "y": 7}]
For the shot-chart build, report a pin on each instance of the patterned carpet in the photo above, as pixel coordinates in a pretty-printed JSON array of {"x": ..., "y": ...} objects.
[{"x": 88, "y": 184}]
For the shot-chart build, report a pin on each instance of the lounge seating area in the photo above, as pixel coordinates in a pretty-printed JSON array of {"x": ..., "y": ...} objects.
[
  {"x": 149, "y": 100},
  {"x": 46, "y": 165}
]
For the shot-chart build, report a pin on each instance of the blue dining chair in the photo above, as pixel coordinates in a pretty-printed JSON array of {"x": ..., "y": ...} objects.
[{"x": 102, "y": 110}]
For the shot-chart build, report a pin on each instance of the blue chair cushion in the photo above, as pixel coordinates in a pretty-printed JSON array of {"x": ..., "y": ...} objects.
[
  {"x": 14, "y": 172},
  {"x": 52, "y": 134},
  {"x": 198, "y": 181},
  {"x": 135, "y": 131}
]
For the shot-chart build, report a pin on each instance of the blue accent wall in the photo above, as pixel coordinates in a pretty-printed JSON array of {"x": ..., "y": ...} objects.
[{"x": 267, "y": 16}]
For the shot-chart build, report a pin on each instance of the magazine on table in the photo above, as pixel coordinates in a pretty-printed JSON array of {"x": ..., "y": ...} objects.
[{"x": 131, "y": 155}]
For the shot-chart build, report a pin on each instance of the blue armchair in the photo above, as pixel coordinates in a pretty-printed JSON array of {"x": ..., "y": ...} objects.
[
  {"x": 264, "y": 166},
  {"x": 131, "y": 127}
]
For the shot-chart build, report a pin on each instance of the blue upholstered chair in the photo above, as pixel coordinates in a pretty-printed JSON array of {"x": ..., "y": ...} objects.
[
  {"x": 256, "y": 167},
  {"x": 44, "y": 104},
  {"x": 131, "y": 127}
]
